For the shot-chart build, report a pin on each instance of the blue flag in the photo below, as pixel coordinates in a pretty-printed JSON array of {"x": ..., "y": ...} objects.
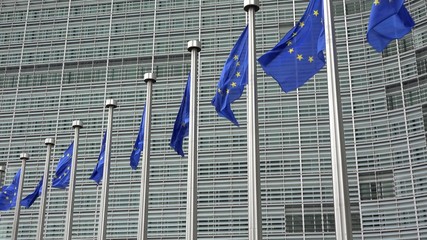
[
  {"x": 180, "y": 129},
  {"x": 389, "y": 20},
  {"x": 139, "y": 144},
  {"x": 31, "y": 198},
  {"x": 63, "y": 170},
  {"x": 9, "y": 193},
  {"x": 98, "y": 172},
  {"x": 299, "y": 55},
  {"x": 233, "y": 79}
]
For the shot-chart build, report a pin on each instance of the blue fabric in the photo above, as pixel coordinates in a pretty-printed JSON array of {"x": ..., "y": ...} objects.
[
  {"x": 298, "y": 55},
  {"x": 9, "y": 193},
  {"x": 389, "y": 20},
  {"x": 31, "y": 198},
  {"x": 139, "y": 144},
  {"x": 233, "y": 79},
  {"x": 98, "y": 171},
  {"x": 63, "y": 170},
  {"x": 181, "y": 127}
]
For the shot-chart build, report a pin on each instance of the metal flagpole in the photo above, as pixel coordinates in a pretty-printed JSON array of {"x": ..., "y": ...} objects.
[
  {"x": 24, "y": 158},
  {"x": 194, "y": 47},
  {"x": 254, "y": 186},
  {"x": 339, "y": 165},
  {"x": 40, "y": 228},
  {"x": 150, "y": 79},
  {"x": 102, "y": 231},
  {"x": 77, "y": 124}
]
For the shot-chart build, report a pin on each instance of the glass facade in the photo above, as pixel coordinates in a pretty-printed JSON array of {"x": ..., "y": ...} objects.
[{"x": 61, "y": 59}]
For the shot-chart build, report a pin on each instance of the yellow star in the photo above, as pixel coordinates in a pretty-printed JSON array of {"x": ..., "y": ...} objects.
[
  {"x": 233, "y": 84},
  {"x": 238, "y": 74},
  {"x": 7, "y": 198},
  {"x": 291, "y": 50},
  {"x": 228, "y": 91},
  {"x": 301, "y": 24},
  {"x": 299, "y": 57},
  {"x": 310, "y": 59},
  {"x": 316, "y": 13},
  {"x": 294, "y": 34},
  {"x": 376, "y": 2},
  {"x": 183, "y": 124},
  {"x": 289, "y": 43},
  {"x": 219, "y": 90},
  {"x": 68, "y": 168},
  {"x": 236, "y": 57},
  {"x": 238, "y": 64}
]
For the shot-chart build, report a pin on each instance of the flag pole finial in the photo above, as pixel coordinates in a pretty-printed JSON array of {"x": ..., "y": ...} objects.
[
  {"x": 194, "y": 44},
  {"x": 251, "y": 4},
  {"x": 49, "y": 141},
  {"x": 77, "y": 123},
  {"x": 111, "y": 103},
  {"x": 150, "y": 77},
  {"x": 24, "y": 156}
]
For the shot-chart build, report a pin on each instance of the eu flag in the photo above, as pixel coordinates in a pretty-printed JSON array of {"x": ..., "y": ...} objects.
[
  {"x": 299, "y": 55},
  {"x": 389, "y": 20},
  {"x": 9, "y": 193},
  {"x": 139, "y": 144},
  {"x": 98, "y": 171},
  {"x": 31, "y": 198},
  {"x": 234, "y": 77},
  {"x": 63, "y": 170},
  {"x": 180, "y": 129}
]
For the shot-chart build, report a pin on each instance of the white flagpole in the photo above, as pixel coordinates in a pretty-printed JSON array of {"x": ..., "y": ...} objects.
[
  {"x": 254, "y": 186},
  {"x": 24, "y": 158},
  {"x": 40, "y": 228},
  {"x": 194, "y": 47},
  {"x": 150, "y": 79},
  {"x": 102, "y": 231},
  {"x": 77, "y": 124},
  {"x": 339, "y": 164}
]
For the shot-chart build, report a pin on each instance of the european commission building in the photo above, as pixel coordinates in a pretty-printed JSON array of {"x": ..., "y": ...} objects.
[{"x": 61, "y": 59}]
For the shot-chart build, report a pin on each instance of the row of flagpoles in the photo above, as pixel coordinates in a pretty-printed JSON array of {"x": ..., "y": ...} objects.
[{"x": 292, "y": 62}]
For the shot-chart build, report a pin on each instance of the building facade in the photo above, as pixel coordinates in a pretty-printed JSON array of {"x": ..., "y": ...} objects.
[{"x": 61, "y": 59}]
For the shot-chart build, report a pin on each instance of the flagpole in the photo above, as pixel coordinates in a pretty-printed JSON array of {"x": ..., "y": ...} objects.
[
  {"x": 254, "y": 186},
  {"x": 49, "y": 142},
  {"x": 102, "y": 231},
  {"x": 77, "y": 124},
  {"x": 150, "y": 79},
  {"x": 24, "y": 158},
  {"x": 343, "y": 226},
  {"x": 194, "y": 47}
]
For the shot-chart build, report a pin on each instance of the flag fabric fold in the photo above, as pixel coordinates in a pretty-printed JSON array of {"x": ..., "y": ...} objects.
[
  {"x": 139, "y": 144},
  {"x": 299, "y": 54},
  {"x": 31, "y": 198},
  {"x": 234, "y": 77},
  {"x": 63, "y": 169},
  {"x": 389, "y": 20},
  {"x": 9, "y": 193},
  {"x": 98, "y": 171},
  {"x": 181, "y": 127}
]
